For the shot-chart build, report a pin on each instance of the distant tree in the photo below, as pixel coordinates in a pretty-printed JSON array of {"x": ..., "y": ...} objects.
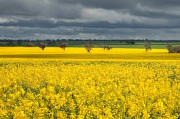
[
  {"x": 173, "y": 49},
  {"x": 169, "y": 47},
  {"x": 107, "y": 48},
  {"x": 89, "y": 47},
  {"x": 42, "y": 45},
  {"x": 63, "y": 45},
  {"x": 147, "y": 45}
]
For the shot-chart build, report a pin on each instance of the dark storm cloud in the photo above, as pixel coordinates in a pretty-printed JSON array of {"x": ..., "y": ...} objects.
[
  {"x": 146, "y": 8},
  {"x": 100, "y": 24},
  {"x": 118, "y": 3},
  {"x": 107, "y": 4},
  {"x": 89, "y": 18},
  {"x": 44, "y": 8}
]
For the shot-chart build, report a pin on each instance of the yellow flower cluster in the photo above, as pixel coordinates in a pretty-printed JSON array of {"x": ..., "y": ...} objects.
[{"x": 83, "y": 89}]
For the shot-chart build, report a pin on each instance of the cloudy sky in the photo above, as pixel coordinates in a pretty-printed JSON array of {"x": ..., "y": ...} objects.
[{"x": 100, "y": 19}]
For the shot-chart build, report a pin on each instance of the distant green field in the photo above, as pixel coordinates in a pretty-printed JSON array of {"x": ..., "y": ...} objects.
[
  {"x": 96, "y": 43},
  {"x": 117, "y": 44},
  {"x": 139, "y": 45}
]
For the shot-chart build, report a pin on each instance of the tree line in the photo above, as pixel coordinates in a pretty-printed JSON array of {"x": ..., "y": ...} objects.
[{"x": 88, "y": 44}]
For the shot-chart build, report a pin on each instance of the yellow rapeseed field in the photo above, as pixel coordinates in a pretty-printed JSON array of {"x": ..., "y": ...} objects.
[{"x": 74, "y": 84}]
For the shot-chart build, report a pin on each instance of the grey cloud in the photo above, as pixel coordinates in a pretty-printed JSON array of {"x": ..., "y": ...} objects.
[
  {"x": 90, "y": 18},
  {"x": 43, "y": 8},
  {"x": 156, "y": 8},
  {"x": 78, "y": 32},
  {"x": 96, "y": 24},
  {"x": 120, "y": 4}
]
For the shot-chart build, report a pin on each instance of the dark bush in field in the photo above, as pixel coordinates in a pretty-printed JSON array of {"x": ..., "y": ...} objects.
[
  {"x": 173, "y": 49},
  {"x": 107, "y": 48}
]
